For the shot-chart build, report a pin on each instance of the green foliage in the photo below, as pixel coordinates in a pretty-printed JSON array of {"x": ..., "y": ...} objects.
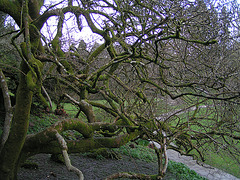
[
  {"x": 40, "y": 122},
  {"x": 137, "y": 151},
  {"x": 70, "y": 109},
  {"x": 141, "y": 152},
  {"x": 182, "y": 172},
  {"x": 142, "y": 142}
]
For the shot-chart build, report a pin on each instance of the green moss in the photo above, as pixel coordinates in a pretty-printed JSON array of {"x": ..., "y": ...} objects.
[
  {"x": 56, "y": 46},
  {"x": 13, "y": 8},
  {"x": 34, "y": 75},
  {"x": 24, "y": 49},
  {"x": 67, "y": 66},
  {"x": 75, "y": 124},
  {"x": 31, "y": 81}
]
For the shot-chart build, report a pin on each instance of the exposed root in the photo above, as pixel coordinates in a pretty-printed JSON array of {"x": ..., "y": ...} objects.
[{"x": 70, "y": 167}]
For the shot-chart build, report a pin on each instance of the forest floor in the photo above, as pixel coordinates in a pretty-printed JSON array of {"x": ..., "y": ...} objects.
[{"x": 92, "y": 169}]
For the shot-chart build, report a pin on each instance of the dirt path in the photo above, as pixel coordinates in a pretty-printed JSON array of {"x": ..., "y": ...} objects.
[{"x": 92, "y": 169}]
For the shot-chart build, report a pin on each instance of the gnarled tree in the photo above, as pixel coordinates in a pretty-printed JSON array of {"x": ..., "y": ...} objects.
[{"x": 150, "y": 50}]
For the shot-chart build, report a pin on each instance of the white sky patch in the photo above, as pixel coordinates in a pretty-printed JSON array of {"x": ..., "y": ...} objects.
[{"x": 71, "y": 33}]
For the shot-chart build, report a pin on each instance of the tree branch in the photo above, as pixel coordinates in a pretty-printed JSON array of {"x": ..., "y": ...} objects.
[{"x": 70, "y": 167}]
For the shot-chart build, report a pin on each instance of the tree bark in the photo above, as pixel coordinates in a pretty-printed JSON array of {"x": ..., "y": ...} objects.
[
  {"x": 8, "y": 110},
  {"x": 13, "y": 146}
]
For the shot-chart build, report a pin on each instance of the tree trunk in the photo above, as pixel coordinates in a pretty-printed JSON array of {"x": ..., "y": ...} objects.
[
  {"x": 13, "y": 146},
  {"x": 8, "y": 110}
]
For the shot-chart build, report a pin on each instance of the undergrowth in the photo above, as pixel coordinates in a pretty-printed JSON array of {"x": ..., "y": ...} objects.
[
  {"x": 137, "y": 150},
  {"x": 40, "y": 122},
  {"x": 141, "y": 151},
  {"x": 182, "y": 172}
]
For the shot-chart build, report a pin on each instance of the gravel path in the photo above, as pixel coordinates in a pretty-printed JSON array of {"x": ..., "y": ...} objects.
[{"x": 204, "y": 170}]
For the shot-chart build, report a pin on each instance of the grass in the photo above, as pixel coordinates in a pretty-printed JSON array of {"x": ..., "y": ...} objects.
[
  {"x": 138, "y": 152},
  {"x": 40, "y": 122},
  {"x": 181, "y": 171},
  {"x": 221, "y": 159}
]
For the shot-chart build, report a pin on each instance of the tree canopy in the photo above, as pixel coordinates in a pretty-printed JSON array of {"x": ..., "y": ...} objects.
[{"x": 144, "y": 52}]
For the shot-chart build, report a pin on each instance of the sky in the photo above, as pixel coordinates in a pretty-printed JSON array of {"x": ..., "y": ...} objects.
[{"x": 70, "y": 30}]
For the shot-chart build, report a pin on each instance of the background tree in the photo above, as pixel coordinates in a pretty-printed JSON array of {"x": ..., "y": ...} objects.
[{"x": 151, "y": 50}]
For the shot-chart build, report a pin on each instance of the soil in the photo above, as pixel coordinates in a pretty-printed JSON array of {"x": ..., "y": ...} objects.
[{"x": 92, "y": 169}]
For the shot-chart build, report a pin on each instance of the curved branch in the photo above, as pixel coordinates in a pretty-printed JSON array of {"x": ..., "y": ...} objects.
[
  {"x": 85, "y": 107},
  {"x": 210, "y": 96},
  {"x": 45, "y": 141}
]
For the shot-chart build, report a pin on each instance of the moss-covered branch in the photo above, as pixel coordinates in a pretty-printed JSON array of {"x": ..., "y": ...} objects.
[{"x": 45, "y": 141}]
